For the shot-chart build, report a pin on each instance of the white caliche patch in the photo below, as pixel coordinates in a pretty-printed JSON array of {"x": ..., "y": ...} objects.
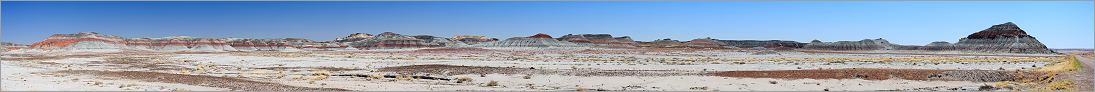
[
  {"x": 705, "y": 83},
  {"x": 19, "y": 78}
]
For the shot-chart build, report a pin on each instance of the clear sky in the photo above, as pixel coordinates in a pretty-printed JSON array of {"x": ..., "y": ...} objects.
[{"x": 1058, "y": 24}]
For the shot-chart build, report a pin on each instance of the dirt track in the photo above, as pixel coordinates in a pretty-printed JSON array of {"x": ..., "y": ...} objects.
[{"x": 1086, "y": 76}]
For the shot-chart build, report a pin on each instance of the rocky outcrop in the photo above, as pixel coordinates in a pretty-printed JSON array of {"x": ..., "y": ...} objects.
[
  {"x": 262, "y": 45},
  {"x": 540, "y": 35},
  {"x": 325, "y": 46},
  {"x": 391, "y": 40},
  {"x": 438, "y": 41},
  {"x": 305, "y": 44},
  {"x": 179, "y": 43},
  {"x": 287, "y": 44},
  {"x": 865, "y": 44},
  {"x": 12, "y": 46},
  {"x": 1006, "y": 37},
  {"x": 937, "y": 46},
  {"x": 473, "y": 39},
  {"x": 599, "y": 40},
  {"x": 538, "y": 40},
  {"x": 355, "y": 37},
  {"x": 662, "y": 43},
  {"x": 704, "y": 43}
]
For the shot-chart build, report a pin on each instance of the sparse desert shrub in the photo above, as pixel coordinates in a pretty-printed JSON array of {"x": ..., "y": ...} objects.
[
  {"x": 281, "y": 74},
  {"x": 403, "y": 77},
  {"x": 698, "y": 88},
  {"x": 184, "y": 71},
  {"x": 529, "y": 76},
  {"x": 320, "y": 75},
  {"x": 492, "y": 83},
  {"x": 203, "y": 68},
  {"x": 376, "y": 76},
  {"x": 463, "y": 80},
  {"x": 96, "y": 83},
  {"x": 579, "y": 88},
  {"x": 531, "y": 86}
]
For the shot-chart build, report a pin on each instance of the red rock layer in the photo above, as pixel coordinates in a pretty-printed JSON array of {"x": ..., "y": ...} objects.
[
  {"x": 540, "y": 35},
  {"x": 175, "y": 41},
  {"x": 61, "y": 43},
  {"x": 1006, "y": 30},
  {"x": 63, "y": 40}
]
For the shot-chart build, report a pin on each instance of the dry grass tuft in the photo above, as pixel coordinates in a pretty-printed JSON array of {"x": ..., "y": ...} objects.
[
  {"x": 1068, "y": 63},
  {"x": 1046, "y": 78}
]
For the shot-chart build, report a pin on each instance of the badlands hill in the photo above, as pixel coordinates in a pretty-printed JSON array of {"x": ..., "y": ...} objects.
[{"x": 1001, "y": 38}]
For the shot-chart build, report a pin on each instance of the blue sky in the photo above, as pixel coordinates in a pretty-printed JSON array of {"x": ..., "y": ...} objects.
[{"x": 1058, "y": 24}]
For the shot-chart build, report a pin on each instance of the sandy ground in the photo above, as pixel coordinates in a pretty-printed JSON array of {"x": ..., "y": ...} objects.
[{"x": 502, "y": 70}]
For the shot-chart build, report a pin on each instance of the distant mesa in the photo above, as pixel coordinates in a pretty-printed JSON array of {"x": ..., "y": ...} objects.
[
  {"x": 355, "y": 37},
  {"x": 179, "y": 43},
  {"x": 439, "y": 41},
  {"x": 704, "y": 43},
  {"x": 762, "y": 44},
  {"x": 1006, "y": 30},
  {"x": 716, "y": 43},
  {"x": 392, "y": 40},
  {"x": 1006, "y": 38},
  {"x": 284, "y": 44},
  {"x": 865, "y": 44},
  {"x": 470, "y": 39},
  {"x": 91, "y": 41},
  {"x": 662, "y": 43},
  {"x": 1001, "y": 38},
  {"x": 538, "y": 40},
  {"x": 936, "y": 46},
  {"x": 12, "y": 46},
  {"x": 600, "y": 40}
]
